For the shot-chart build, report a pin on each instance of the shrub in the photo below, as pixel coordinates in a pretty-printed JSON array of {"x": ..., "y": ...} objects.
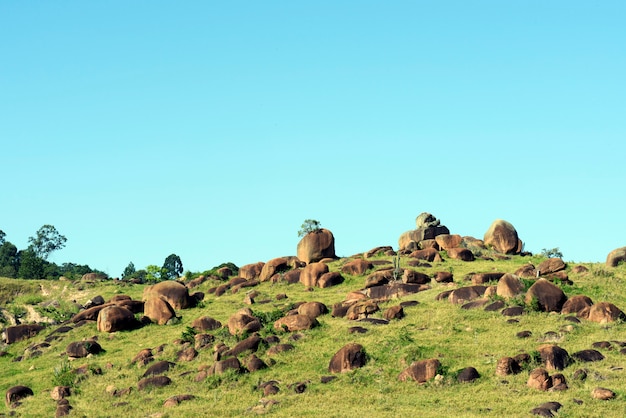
[
  {"x": 551, "y": 253},
  {"x": 308, "y": 226}
]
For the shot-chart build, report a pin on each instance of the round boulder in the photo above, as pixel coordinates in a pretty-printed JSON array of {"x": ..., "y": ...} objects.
[
  {"x": 502, "y": 236},
  {"x": 316, "y": 245},
  {"x": 349, "y": 357},
  {"x": 116, "y": 318},
  {"x": 616, "y": 257}
]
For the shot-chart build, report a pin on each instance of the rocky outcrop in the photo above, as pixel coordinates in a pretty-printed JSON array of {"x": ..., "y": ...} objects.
[
  {"x": 316, "y": 245},
  {"x": 502, "y": 237},
  {"x": 615, "y": 257},
  {"x": 426, "y": 227}
]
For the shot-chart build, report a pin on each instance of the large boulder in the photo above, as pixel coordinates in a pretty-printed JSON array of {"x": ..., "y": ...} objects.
[
  {"x": 420, "y": 371},
  {"x": 448, "y": 241},
  {"x": 420, "y": 234},
  {"x": 116, "y": 318},
  {"x": 349, "y": 357},
  {"x": 554, "y": 357},
  {"x": 551, "y": 265},
  {"x": 16, "y": 393},
  {"x": 243, "y": 321},
  {"x": 311, "y": 274},
  {"x": 357, "y": 267},
  {"x": 509, "y": 286},
  {"x": 159, "y": 310},
  {"x": 576, "y": 304},
  {"x": 316, "y": 245},
  {"x": 548, "y": 296},
  {"x": 295, "y": 323},
  {"x": 273, "y": 266},
  {"x": 502, "y": 236},
  {"x": 602, "y": 312},
  {"x": 21, "y": 332},
  {"x": 79, "y": 349},
  {"x": 466, "y": 294},
  {"x": 175, "y": 293},
  {"x": 616, "y": 257}
]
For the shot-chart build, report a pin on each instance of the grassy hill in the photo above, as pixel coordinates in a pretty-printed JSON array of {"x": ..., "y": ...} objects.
[{"x": 457, "y": 337}]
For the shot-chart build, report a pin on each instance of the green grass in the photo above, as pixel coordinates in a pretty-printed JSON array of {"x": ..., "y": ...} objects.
[{"x": 432, "y": 329}]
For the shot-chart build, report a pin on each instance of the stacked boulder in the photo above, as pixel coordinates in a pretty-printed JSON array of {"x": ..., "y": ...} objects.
[{"x": 427, "y": 227}]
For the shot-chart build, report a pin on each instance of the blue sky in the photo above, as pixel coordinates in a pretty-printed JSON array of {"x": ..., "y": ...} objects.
[{"x": 213, "y": 129}]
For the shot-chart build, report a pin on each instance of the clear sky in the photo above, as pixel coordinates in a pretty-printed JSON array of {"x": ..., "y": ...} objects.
[{"x": 212, "y": 130}]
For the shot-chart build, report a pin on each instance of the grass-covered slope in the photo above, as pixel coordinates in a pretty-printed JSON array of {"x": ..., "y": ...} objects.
[{"x": 458, "y": 338}]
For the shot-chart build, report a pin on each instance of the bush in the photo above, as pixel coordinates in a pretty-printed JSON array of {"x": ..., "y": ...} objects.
[
  {"x": 308, "y": 226},
  {"x": 551, "y": 253}
]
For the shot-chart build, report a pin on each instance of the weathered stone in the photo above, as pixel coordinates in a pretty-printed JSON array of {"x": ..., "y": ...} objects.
[
  {"x": 251, "y": 271},
  {"x": 421, "y": 234},
  {"x": 312, "y": 309},
  {"x": 249, "y": 344},
  {"x": 467, "y": 375},
  {"x": 206, "y": 323},
  {"x": 615, "y": 257},
  {"x": 448, "y": 241},
  {"x": 17, "y": 333},
  {"x": 159, "y": 310},
  {"x": 602, "y": 312},
  {"x": 575, "y": 304},
  {"x": 332, "y": 278},
  {"x": 485, "y": 278},
  {"x": 394, "y": 290},
  {"x": 221, "y": 366},
  {"x": 16, "y": 393},
  {"x": 415, "y": 277},
  {"x": 349, "y": 357},
  {"x": 176, "y": 400},
  {"x": 254, "y": 364},
  {"x": 466, "y": 294},
  {"x": 444, "y": 277},
  {"x": 549, "y": 297},
  {"x": 476, "y": 303},
  {"x": 507, "y": 366},
  {"x": 311, "y": 274},
  {"x": 420, "y": 371},
  {"x": 279, "y": 348},
  {"x": 602, "y": 394},
  {"x": 81, "y": 349},
  {"x": 378, "y": 278},
  {"x": 539, "y": 379},
  {"x": 295, "y": 323},
  {"x": 242, "y": 322},
  {"x": 116, "y": 318},
  {"x": 158, "y": 368},
  {"x": 551, "y": 265},
  {"x": 513, "y": 311},
  {"x": 155, "y": 381},
  {"x": 362, "y": 309},
  {"x": 554, "y": 357},
  {"x": 357, "y": 267},
  {"x": 316, "y": 245},
  {"x": 394, "y": 312},
  {"x": 502, "y": 236},
  {"x": 273, "y": 266},
  {"x": 173, "y": 292},
  {"x": 428, "y": 254},
  {"x": 187, "y": 354},
  {"x": 60, "y": 392},
  {"x": 462, "y": 254},
  {"x": 588, "y": 355}
]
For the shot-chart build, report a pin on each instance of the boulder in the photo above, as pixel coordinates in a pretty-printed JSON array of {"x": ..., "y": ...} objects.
[
  {"x": 243, "y": 321},
  {"x": 467, "y": 375},
  {"x": 393, "y": 312},
  {"x": 502, "y": 236},
  {"x": 311, "y": 274},
  {"x": 575, "y": 304},
  {"x": 484, "y": 278},
  {"x": 466, "y": 294},
  {"x": 444, "y": 277},
  {"x": 426, "y": 220},
  {"x": 316, "y": 245},
  {"x": 159, "y": 310},
  {"x": 420, "y": 371},
  {"x": 448, "y": 241},
  {"x": 394, "y": 290},
  {"x": 251, "y": 271},
  {"x": 549, "y": 297},
  {"x": 588, "y": 356},
  {"x": 462, "y": 254},
  {"x": 539, "y": 379},
  {"x": 206, "y": 323},
  {"x": 249, "y": 344},
  {"x": 428, "y": 254},
  {"x": 332, "y": 278},
  {"x": 116, "y": 318},
  {"x": 21, "y": 332},
  {"x": 415, "y": 277},
  {"x": 615, "y": 257},
  {"x": 357, "y": 267},
  {"x": 507, "y": 366},
  {"x": 361, "y": 309},
  {"x": 420, "y": 234},
  {"x": 177, "y": 399},
  {"x": 349, "y": 357},
  {"x": 221, "y": 366},
  {"x": 254, "y": 364},
  {"x": 16, "y": 393},
  {"x": 378, "y": 278},
  {"x": 551, "y": 265},
  {"x": 79, "y": 349},
  {"x": 312, "y": 309},
  {"x": 159, "y": 368},
  {"x": 602, "y": 312},
  {"x": 155, "y": 381},
  {"x": 275, "y": 265},
  {"x": 295, "y": 323},
  {"x": 554, "y": 357},
  {"x": 174, "y": 293},
  {"x": 509, "y": 286},
  {"x": 602, "y": 394}
]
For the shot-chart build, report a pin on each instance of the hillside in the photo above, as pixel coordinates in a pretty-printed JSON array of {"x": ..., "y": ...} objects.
[{"x": 297, "y": 380}]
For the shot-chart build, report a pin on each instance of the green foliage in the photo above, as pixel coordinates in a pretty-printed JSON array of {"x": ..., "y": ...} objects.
[
  {"x": 551, "y": 253},
  {"x": 58, "y": 314},
  {"x": 308, "y": 226},
  {"x": 46, "y": 241},
  {"x": 154, "y": 274},
  {"x": 31, "y": 266},
  {"x": 213, "y": 272},
  {"x": 172, "y": 267},
  {"x": 129, "y": 271},
  {"x": 64, "y": 375},
  {"x": 188, "y": 335}
]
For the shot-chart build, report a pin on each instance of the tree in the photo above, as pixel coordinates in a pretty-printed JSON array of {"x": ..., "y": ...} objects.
[
  {"x": 172, "y": 267},
  {"x": 31, "y": 266},
  {"x": 9, "y": 262},
  {"x": 48, "y": 239},
  {"x": 154, "y": 274},
  {"x": 129, "y": 271},
  {"x": 308, "y": 226},
  {"x": 2, "y": 235}
]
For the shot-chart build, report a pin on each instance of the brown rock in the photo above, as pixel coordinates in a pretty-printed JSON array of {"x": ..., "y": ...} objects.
[
  {"x": 420, "y": 371},
  {"x": 173, "y": 292},
  {"x": 466, "y": 294},
  {"x": 221, "y": 366},
  {"x": 576, "y": 304},
  {"x": 549, "y": 297},
  {"x": 176, "y": 400},
  {"x": 554, "y": 357},
  {"x": 349, "y": 357},
  {"x": 507, "y": 366},
  {"x": 295, "y": 323},
  {"x": 249, "y": 344},
  {"x": 243, "y": 321},
  {"x": 254, "y": 364},
  {"x": 312, "y": 309},
  {"x": 357, "y": 267},
  {"x": 362, "y": 309},
  {"x": 276, "y": 265},
  {"x": 17, "y": 333},
  {"x": 551, "y": 265},
  {"x": 468, "y": 375},
  {"x": 462, "y": 254},
  {"x": 159, "y": 310},
  {"x": 206, "y": 323},
  {"x": 509, "y": 286},
  {"x": 81, "y": 349},
  {"x": 116, "y": 318},
  {"x": 502, "y": 236},
  {"x": 428, "y": 254},
  {"x": 602, "y": 394},
  {"x": 187, "y": 354},
  {"x": 16, "y": 393},
  {"x": 316, "y": 246},
  {"x": 60, "y": 392},
  {"x": 311, "y": 274},
  {"x": 615, "y": 257},
  {"x": 448, "y": 241},
  {"x": 444, "y": 277},
  {"x": 415, "y": 277},
  {"x": 539, "y": 379},
  {"x": 394, "y": 312},
  {"x": 329, "y": 279},
  {"x": 279, "y": 348},
  {"x": 527, "y": 270},
  {"x": 251, "y": 271},
  {"x": 155, "y": 381},
  {"x": 158, "y": 368},
  {"x": 602, "y": 312}
]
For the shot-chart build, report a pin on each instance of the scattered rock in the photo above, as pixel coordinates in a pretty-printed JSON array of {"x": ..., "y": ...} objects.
[
  {"x": 602, "y": 394},
  {"x": 502, "y": 236},
  {"x": 15, "y": 394},
  {"x": 155, "y": 381},
  {"x": 349, "y": 357},
  {"x": 420, "y": 371},
  {"x": 467, "y": 375}
]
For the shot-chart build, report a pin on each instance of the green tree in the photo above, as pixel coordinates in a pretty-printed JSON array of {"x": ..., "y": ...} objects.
[
  {"x": 47, "y": 240},
  {"x": 172, "y": 267},
  {"x": 154, "y": 274},
  {"x": 9, "y": 262},
  {"x": 308, "y": 226},
  {"x": 2, "y": 235},
  {"x": 30, "y": 265},
  {"x": 129, "y": 271}
]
